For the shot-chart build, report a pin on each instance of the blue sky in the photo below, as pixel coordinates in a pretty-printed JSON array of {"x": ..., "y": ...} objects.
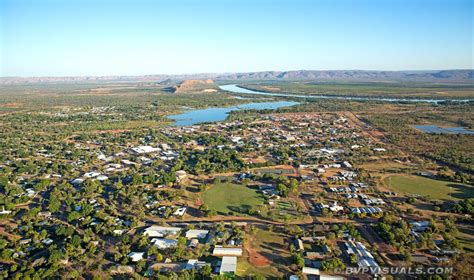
[{"x": 105, "y": 37}]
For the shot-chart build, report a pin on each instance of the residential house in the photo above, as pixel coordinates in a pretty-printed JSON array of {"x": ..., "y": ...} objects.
[
  {"x": 197, "y": 233},
  {"x": 164, "y": 243},
  {"x": 161, "y": 231},
  {"x": 136, "y": 256}
]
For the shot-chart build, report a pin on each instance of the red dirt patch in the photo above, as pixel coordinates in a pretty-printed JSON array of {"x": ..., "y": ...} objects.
[{"x": 256, "y": 259}]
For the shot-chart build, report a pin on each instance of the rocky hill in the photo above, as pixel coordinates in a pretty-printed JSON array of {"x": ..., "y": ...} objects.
[{"x": 194, "y": 86}]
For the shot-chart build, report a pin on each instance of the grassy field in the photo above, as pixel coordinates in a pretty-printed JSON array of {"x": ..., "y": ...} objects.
[
  {"x": 228, "y": 197},
  {"x": 436, "y": 189}
]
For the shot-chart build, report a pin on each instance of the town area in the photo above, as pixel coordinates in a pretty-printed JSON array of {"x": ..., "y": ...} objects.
[{"x": 278, "y": 195}]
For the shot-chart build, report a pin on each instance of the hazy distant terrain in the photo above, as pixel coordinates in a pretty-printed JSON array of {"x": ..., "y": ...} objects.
[
  {"x": 464, "y": 76},
  {"x": 356, "y": 75}
]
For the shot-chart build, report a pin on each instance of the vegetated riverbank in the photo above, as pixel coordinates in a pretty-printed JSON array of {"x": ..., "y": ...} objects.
[{"x": 410, "y": 92}]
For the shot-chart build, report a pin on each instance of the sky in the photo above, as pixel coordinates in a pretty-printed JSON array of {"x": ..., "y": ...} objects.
[{"x": 139, "y": 37}]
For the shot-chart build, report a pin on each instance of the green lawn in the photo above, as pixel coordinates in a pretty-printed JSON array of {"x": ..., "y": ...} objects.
[
  {"x": 436, "y": 189},
  {"x": 228, "y": 197}
]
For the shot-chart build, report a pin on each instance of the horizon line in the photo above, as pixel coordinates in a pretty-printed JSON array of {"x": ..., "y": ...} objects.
[{"x": 238, "y": 72}]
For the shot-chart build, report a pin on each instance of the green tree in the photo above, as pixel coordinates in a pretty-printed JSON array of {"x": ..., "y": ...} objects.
[
  {"x": 298, "y": 260},
  {"x": 293, "y": 185},
  {"x": 206, "y": 271},
  {"x": 282, "y": 189}
]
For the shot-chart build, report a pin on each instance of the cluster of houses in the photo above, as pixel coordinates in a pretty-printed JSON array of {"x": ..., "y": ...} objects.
[
  {"x": 142, "y": 155},
  {"x": 366, "y": 210},
  {"x": 313, "y": 256},
  {"x": 166, "y": 237},
  {"x": 372, "y": 201},
  {"x": 318, "y": 136},
  {"x": 322, "y": 139},
  {"x": 24, "y": 192},
  {"x": 333, "y": 206},
  {"x": 370, "y": 208},
  {"x": 166, "y": 211},
  {"x": 440, "y": 248},
  {"x": 344, "y": 175},
  {"x": 364, "y": 257}
]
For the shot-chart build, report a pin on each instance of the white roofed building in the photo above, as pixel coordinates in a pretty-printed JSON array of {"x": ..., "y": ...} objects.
[
  {"x": 145, "y": 149},
  {"x": 161, "y": 231},
  {"x": 180, "y": 211},
  {"x": 196, "y": 233},
  {"x": 228, "y": 265},
  {"x": 310, "y": 271},
  {"x": 136, "y": 256},
  {"x": 364, "y": 257},
  {"x": 164, "y": 243},
  {"x": 222, "y": 251}
]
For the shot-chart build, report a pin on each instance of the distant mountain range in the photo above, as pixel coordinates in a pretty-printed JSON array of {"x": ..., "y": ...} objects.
[
  {"x": 357, "y": 75},
  {"x": 302, "y": 75}
]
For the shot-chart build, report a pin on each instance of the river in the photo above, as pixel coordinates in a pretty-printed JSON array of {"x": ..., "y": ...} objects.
[
  {"x": 217, "y": 114},
  {"x": 236, "y": 89}
]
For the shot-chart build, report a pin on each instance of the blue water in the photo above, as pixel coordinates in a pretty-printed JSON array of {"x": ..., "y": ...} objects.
[
  {"x": 219, "y": 114},
  {"x": 193, "y": 117},
  {"x": 443, "y": 130},
  {"x": 236, "y": 89}
]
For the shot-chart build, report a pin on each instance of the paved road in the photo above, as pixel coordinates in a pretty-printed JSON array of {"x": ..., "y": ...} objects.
[{"x": 250, "y": 220}]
